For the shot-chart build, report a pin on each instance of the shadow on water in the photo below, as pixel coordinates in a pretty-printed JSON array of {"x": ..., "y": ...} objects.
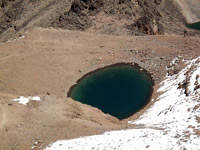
[
  {"x": 119, "y": 90},
  {"x": 195, "y": 26}
]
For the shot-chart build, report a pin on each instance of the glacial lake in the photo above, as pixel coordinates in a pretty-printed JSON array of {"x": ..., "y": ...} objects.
[
  {"x": 119, "y": 90},
  {"x": 195, "y": 26}
]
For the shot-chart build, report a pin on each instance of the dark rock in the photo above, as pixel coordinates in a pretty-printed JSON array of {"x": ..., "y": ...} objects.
[
  {"x": 196, "y": 87},
  {"x": 177, "y": 69},
  {"x": 197, "y": 77},
  {"x": 149, "y": 26},
  {"x": 180, "y": 86}
]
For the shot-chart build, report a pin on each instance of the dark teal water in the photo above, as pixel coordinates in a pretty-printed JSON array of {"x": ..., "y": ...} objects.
[
  {"x": 195, "y": 26},
  {"x": 119, "y": 90}
]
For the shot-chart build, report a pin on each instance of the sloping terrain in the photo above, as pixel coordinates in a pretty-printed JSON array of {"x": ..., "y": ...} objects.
[
  {"x": 190, "y": 9},
  {"x": 115, "y": 17},
  {"x": 47, "y": 62},
  {"x": 173, "y": 122}
]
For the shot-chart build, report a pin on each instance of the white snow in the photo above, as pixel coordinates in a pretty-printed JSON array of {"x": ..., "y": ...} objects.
[
  {"x": 169, "y": 124},
  {"x": 35, "y": 145},
  {"x": 24, "y": 100}
]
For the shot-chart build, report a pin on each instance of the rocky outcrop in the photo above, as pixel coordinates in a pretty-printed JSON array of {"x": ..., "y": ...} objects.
[
  {"x": 148, "y": 26},
  {"x": 78, "y": 15},
  {"x": 11, "y": 11},
  {"x": 142, "y": 16}
]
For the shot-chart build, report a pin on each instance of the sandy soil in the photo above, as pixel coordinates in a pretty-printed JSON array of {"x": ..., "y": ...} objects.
[{"x": 47, "y": 62}]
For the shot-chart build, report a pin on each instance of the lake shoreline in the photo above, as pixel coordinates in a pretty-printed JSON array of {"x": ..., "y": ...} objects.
[
  {"x": 111, "y": 65},
  {"x": 136, "y": 74},
  {"x": 47, "y": 62}
]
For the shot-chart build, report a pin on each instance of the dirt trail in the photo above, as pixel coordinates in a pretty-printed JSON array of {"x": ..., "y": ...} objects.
[
  {"x": 3, "y": 109},
  {"x": 2, "y": 117}
]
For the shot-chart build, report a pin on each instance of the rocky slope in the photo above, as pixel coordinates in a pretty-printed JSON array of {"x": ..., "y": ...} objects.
[
  {"x": 116, "y": 17},
  {"x": 190, "y": 10}
]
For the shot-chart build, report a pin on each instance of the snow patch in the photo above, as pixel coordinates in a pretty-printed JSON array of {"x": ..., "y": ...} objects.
[
  {"x": 169, "y": 124},
  {"x": 24, "y": 100}
]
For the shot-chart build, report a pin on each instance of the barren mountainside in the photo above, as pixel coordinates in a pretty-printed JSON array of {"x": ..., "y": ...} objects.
[{"x": 115, "y": 17}]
